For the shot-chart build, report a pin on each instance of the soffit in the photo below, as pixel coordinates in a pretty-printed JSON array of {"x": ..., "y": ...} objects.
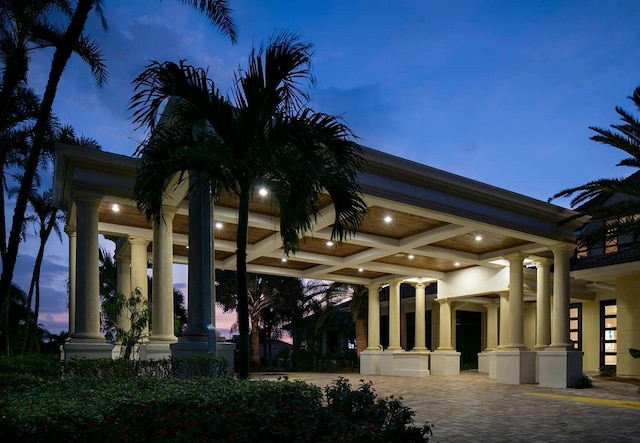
[{"x": 439, "y": 241}]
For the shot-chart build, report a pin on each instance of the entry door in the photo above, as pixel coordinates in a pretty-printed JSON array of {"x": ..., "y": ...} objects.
[{"x": 608, "y": 333}]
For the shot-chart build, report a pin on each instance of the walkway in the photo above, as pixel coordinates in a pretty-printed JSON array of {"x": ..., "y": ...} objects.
[{"x": 472, "y": 407}]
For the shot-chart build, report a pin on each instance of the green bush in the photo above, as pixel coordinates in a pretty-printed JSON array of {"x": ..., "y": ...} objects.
[
  {"x": 45, "y": 366},
  {"x": 584, "y": 383},
  {"x": 607, "y": 371},
  {"x": 145, "y": 409}
]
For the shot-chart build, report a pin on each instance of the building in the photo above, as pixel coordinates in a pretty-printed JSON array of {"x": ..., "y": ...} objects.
[{"x": 491, "y": 252}]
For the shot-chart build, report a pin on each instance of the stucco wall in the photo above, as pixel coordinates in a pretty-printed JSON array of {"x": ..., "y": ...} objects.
[
  {"x": 591, "y": 335},
  {"x": 628, "y": 296}
]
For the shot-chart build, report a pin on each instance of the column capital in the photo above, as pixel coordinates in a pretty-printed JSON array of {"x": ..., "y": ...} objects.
[
  {"x": 373, "y": 286},
  {"x": 86, "y": 198},
  {"x": 491, "y": 306},
  {"x": 139, "y": 241},
  {"x": 541, "y": 262},
  {"x": 515, "y": 256},
  {"x": 70, "y": 230},
  {"x": 562, "y": 248},
  {"x": 418, "y": 284}
]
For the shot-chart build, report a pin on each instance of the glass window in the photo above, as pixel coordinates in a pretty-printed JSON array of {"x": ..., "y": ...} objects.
[
  {"x": 611, "y": 310},
  {"x": 610, "y": 360},
  {"x": 611, "y": 322},
  {"x": 575, "y": 325}
]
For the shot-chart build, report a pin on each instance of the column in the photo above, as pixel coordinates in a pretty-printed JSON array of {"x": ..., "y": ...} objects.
[
  {"x": 123, "y": 269},
  {"x": 373, "y": 336},
  {"x": 87, "y": 312},
  {"x": 543, "y": 304},
  {"x": 200, "y": 273},
  {"x": 561, "y": 300},
  {"x": 420, "y": 332},
  {"x": 71, "y": 232},
  {"x": 516, "y": 301},
  {"x": 445, "y": 325},
  {"x": 394, "y": 316},
  {"x": 162, "y": 323},
  {"x": 504, "y": 320},
  {"x": 492, "y": 326},
  {"x": 139, "y": 279}
]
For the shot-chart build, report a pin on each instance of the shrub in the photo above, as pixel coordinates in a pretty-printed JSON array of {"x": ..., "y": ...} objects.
[
  {"x": 607, "y": 371},
  {"x": 44, "y": 366},
  {"x": 203, "y": 409},
  {"x": 584, "y": 383}
]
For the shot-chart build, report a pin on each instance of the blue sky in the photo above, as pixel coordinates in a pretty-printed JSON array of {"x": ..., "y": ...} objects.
[{"x": 499, "y": 91}]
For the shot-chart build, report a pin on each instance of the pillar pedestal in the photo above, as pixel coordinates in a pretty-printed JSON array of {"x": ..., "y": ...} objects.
[
  {"x": 405, "y": 364},
  {"x": 154, "y": 351},
  {"x": 445, "y": 363},
  {"x": 487, "y": 363},
  {"x": 89, "y": 350},
  {"x": 370, "y": 362},
  {"x": 515, "y": 366},
  {"x": 559, "y": 368}
]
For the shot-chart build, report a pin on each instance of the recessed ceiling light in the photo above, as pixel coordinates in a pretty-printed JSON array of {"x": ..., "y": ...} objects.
[
  {"x": 219, "y": 225},
  {"x": 115, "y": 208},
  {"x": 329, "y": 243},
  {"x": 410, "y": 256},
  {"x": 263, "y": 191},
  {"x": 456, "y": 264},
  {"x": 360, "y": 269},
  {"x": 283, "y": 260},
  {"x": 478, "y": 237},
  {"x": 187, "y": 247},
  {"x": 388, "y": 219}
]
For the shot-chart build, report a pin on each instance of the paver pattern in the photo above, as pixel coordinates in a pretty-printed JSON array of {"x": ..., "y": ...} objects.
[{"x": 472, "y": 407}]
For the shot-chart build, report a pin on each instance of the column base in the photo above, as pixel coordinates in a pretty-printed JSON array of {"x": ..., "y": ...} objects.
[
  {"x": 445, "y": 363},
  {"x": 155, "y": 351},
  {"x": 487, "y": 363},
  {"x": 186, "y": 348},
  {"x": 559, "y": 368},
  {"x": 515, "y": 367},
  {"x": 89, "y": 350},
  {"x": 405, "y": 364},
  {"x": 370, "y": 362}
]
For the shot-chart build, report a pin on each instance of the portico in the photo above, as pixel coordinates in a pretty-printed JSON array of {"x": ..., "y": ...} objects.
[{"x": 480, "y": 244}]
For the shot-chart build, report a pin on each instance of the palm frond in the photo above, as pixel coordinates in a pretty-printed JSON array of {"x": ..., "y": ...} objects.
[{"x": 219, "y": 13}]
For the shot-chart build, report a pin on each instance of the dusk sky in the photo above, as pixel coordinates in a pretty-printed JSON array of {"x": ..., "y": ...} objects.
[{"x": 498, "y": 91}]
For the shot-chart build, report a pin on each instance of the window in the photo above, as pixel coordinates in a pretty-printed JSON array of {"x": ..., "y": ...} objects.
[
  {"x": 609, "y": 333},
  {"x": 575, "y": 325}
]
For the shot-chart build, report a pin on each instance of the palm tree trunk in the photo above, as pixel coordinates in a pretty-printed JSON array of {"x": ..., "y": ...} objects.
[
  {"x": 255, "y": 342},
  {"x": 241, "y": 265},
  {"x": 60, "y": 58},
  {"x": 361, "y": 334}
]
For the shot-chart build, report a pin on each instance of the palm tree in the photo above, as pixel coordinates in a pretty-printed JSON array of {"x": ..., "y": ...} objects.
[
  {"x": 66, "y": 42},
  {"x": 358, "y": 310},
  {"x": 622, "y": 216},
  {"x": 47, "y": 218},
  {"x": 263, "y": 134},
  {"x": 260, "y": 295}
]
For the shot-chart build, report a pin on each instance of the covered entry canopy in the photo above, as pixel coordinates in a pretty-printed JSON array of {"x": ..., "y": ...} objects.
[{"x": 422, "y": 223}]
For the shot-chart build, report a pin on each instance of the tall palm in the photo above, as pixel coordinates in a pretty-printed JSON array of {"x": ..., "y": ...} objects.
[
  {"x": 260, "y": 297},
  {"x": 358, "y": 311},
  {"x": 621, "y": 216},
  {"x": 68, "y": 41},
  {"x": 263, "y": 134},
  {"x": 47, "y": 218}
]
